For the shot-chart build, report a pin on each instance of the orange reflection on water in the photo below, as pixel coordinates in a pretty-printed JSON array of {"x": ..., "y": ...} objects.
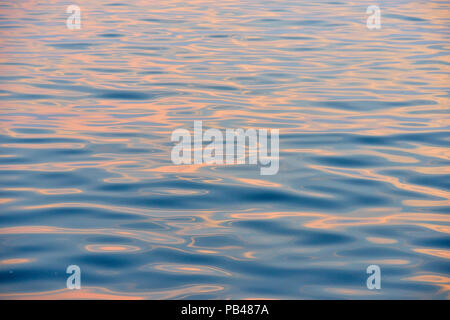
[
  {"x": 58, "y": 191},
  {"x": 15, "y": 261},
  {"x": 328, "y": 221},
  {"x": 146, "y": 236},
  {"x": 259, "y": 183},
  {"x": 110, "y": 248},
  {"x": 391, "y": 261},
  {"x": 381, "y": 240},
  {"x": 372, "y": 174},
  {"x": 189, "y": 269},
  {"x": 441, "y": 281},
  {"x": 356, "y": 293},
  {"x": 441, "y": 253},
  {"x": 99, "y": 293},
  {"x": 66, "y": 294},
  {"x": 271, "y": 74}
]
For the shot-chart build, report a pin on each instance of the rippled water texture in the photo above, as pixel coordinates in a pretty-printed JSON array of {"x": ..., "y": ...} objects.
[{"x": 85, "y": 171}]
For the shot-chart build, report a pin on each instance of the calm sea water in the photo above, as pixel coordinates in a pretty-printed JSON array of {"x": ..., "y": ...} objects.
[{"x": 85, "y": 171}]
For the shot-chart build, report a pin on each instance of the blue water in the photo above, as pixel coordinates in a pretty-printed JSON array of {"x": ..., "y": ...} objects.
[{"x": 86, "y": 177}]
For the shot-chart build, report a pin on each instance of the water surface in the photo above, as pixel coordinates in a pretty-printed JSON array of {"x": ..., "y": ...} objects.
[{"x": 85, "y": 171}]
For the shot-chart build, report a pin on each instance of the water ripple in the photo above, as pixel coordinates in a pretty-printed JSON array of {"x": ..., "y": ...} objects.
[{"x": 86, "y": 176}]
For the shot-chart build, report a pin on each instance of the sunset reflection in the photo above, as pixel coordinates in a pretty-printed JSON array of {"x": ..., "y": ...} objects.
[{"x": 87, "y": 177}]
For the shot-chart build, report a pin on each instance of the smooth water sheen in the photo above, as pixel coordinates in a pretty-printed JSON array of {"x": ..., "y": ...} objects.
[{"x": 85, "y": 171}]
